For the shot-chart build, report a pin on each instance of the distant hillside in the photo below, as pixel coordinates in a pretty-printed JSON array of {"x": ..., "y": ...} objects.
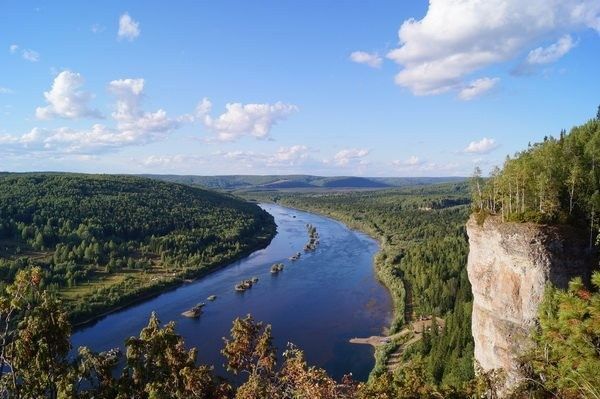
[
  {"x": 104, "y": 241},
  {"x": 276, "y": 182}
]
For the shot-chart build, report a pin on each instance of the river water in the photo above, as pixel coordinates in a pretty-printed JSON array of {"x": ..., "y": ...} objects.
[{"x": 318, "y": 302}]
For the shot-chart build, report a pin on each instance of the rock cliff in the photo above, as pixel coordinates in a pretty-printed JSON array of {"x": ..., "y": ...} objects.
[{"x": 509, "y": 266}]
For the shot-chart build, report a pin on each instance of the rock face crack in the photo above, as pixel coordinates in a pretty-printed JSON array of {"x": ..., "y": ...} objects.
[{"x": 509, "y": 266}]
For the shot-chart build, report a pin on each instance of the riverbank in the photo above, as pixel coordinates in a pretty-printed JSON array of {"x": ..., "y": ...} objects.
[
  {"x": 385, "y": 275},
  {"x": 318, "y": 302},
  {"x": 422, "y": 262},
  {"x": 145, "y": 293}
]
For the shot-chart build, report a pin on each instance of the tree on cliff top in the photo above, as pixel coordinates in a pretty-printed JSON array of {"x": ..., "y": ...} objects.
[{"x": 554, "y": 181}]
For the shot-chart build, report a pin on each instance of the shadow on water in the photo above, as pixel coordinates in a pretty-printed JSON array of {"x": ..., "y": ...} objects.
[{"x": 318, "y": 302}]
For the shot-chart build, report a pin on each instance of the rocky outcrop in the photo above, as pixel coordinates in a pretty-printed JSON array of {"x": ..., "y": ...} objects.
[{"x": 509, "y": 266}]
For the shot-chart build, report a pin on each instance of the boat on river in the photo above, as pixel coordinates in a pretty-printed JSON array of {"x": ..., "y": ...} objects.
[{"x": 211, "y": 298}]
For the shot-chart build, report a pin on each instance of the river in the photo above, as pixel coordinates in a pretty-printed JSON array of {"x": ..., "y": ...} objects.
[{"x": 318, "y": 302}]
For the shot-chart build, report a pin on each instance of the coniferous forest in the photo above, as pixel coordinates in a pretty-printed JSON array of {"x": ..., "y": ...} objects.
[{"x": 554, "y": 181}]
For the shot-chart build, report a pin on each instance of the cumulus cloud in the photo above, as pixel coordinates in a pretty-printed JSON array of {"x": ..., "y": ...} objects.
[
  {"x": 482, "y": 146},
  {"x": 131, "y": 119},
  {"x": 13, "y": 48},
  {"x": 371, "y": 59},
  {"x": 66, "y": 100},
  {"x": 30, "y": 55},
  {"x": 459, "y": 37},
  {"x": 128, "y": 28},
  {"x": 134, "y": 126},
  {"x": 477, "y": 88},
  {"x": 240, "y": 120},
  {"x": 346, "y": 156}
]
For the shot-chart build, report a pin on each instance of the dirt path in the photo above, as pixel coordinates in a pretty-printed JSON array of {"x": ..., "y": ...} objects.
[{"x": 416, "y": 328}]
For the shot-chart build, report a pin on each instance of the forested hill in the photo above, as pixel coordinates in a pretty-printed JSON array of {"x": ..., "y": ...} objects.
[
  {"x": 103, "y": 240},
  {"x": 300, "y": 182},
  {"x": 554, "y": 181}
]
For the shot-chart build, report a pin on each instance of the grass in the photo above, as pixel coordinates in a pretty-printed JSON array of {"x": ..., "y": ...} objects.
[{"x": 103, "y": 279}]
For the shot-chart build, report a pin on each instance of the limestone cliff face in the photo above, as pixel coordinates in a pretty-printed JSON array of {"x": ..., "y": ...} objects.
[{"x": 509, "y": 266}]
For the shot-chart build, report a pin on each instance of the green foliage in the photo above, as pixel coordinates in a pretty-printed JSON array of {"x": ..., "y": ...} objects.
[
  {"x": 422, "y": 262},
  {"x": 555, "y": 181},
  {"x": 79, "y": 228},
  {"x": 566, "y": 358}
]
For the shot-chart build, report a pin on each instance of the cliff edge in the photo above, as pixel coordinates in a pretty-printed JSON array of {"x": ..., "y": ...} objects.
[{"x": 509, "y": 266}]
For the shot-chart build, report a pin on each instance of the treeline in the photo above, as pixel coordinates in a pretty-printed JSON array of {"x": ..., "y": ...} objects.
[
  {"x": 422, "y": 261},
  {"x": 555, "y": 181},
  {"x": 77, "y": 227}
]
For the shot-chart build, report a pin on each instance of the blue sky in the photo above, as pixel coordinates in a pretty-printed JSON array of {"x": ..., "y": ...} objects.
[{"x": 318, "y": 87}]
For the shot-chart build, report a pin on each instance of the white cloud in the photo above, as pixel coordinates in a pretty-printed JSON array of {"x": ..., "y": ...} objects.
[
  {"x": 128, "y": 28},
  {"x": 283, "y": 157},
  {"x": 30, "y": 55},
  {"x": 408, "y": 163},
  {"x": 134, "y": 126},
  {"x": 66, "y": 100},
  {"x": 552, "y": 53},
  {"x": 482, "y": 146},
  {"x": 290, "y": 155},
  {"x": 240, "y": 120},
  {"x": 5, "y": 90},
  {"x": 477, "y": 88},
  {"x": 459, "y": 37},
  {"x": 26, "y": 54},
  {"x": 173, "y": 161},
  {"x": 415, "y": 166},
  {"x": 131, "y": 119},
  {"x": 371, "y": 59},
  {"x": 345, "y": 156}
]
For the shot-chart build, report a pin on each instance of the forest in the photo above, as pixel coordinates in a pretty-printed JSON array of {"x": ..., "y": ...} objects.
[
  {"x": 554, "y": 181},
  {"x": 422, "y": 261},
  {"x": 102, "y": 241},
  {"x": 35, "y": 360}
]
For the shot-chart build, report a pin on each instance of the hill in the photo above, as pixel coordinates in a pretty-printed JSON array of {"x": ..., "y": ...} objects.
[
  {"x": 302, "y": 182},
  {"x": 103, "y": 240}
]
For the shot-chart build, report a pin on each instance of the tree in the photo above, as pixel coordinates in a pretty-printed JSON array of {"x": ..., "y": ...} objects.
[
  {"x": 565, "y": 360},
  {"x": 476, "y": 188},
  {"x": 159, "y": 366},
  {"x": 574, "y": 180},
  {"x": 35, "y": 340}
]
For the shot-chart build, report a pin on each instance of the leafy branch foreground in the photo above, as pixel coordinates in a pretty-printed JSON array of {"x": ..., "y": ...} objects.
[
  {"x": 35, "y": 339},
  {"x": 35, "y": 345}
]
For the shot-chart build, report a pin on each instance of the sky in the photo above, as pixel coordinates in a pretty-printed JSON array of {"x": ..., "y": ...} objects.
[{"x": 339, "y": 87}]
